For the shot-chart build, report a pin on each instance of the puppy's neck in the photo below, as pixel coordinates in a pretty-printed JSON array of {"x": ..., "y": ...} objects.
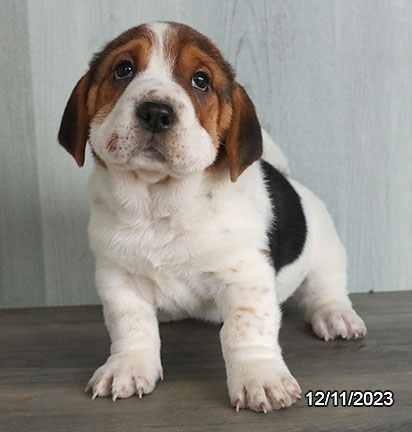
[{"x": 152, "y": 197}]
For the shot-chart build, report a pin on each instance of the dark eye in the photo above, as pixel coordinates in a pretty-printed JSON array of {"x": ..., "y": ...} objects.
[
  {"x": 124, "y": 70},
  {"x": 200, "y": 81}
]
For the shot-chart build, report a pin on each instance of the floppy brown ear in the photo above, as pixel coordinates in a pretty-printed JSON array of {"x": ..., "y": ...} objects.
[
  {"x": 74, "y": 127},
  {"x": 244, "y": 138}
]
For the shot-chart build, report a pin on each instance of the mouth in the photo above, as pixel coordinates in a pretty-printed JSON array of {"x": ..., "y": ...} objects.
[{"x": 153, "y": 154}]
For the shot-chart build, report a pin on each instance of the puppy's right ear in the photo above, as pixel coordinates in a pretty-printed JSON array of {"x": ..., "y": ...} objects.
[{"x": 74, "y": 127}]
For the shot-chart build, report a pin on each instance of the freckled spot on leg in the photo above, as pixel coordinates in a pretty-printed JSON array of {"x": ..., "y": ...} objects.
[
  {"x": 264, "y": 290},
  {"x": 246, "y": 324},
  {"x": 246, "y": 309},
  {"x": 235, "y": 270},
  {"x": 238, "y": 316}
]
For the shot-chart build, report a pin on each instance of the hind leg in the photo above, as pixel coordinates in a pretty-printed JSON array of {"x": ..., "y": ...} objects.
[
  {"x": 323, "y": 293},
  {"x": 328, "y": 308}
]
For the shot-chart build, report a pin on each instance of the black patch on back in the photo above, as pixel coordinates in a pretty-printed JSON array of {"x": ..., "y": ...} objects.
[{"x": 287, "y": 233}]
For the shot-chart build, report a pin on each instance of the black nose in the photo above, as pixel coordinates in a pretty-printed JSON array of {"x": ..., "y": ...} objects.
[{"x": 156, "y": 116}]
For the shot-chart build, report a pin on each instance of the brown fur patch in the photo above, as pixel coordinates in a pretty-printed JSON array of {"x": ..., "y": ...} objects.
[
  {"x": 106, "y": 90},
  {"x": 138, "y": 32},
  {"x": 194, "y": 52},
  {"x": 246, "y": 309}
]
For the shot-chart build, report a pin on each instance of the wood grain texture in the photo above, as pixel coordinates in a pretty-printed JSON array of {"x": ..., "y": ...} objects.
[
  {"x": 47, "y": 356},
  {"x": 331, "y": 82}
]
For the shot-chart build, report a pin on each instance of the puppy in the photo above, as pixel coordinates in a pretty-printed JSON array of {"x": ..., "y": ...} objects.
[{"x": 187, "y": 219}]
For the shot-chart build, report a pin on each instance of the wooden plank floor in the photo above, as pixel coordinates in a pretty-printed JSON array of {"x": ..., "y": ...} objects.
[{"x": 47, "y": 356}]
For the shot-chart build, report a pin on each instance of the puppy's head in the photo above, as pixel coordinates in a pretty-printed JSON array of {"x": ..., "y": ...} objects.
[{"x": 160, "y": 99}]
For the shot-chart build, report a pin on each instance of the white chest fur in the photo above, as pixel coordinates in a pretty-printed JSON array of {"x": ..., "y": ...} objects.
[{"x": 178, "y": 235}]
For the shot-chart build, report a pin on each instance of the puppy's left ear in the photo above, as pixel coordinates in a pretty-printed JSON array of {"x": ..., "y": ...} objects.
[
  {"x": 244, "y": 138},
  {"x": 74, "y": 127}
]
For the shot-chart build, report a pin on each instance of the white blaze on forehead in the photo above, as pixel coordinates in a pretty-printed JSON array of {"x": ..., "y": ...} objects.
[
  {"x": 158, "y": 75},
  {"x": 159, "y": 65}
]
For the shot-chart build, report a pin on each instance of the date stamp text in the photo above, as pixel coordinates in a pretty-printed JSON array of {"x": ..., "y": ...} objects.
[{"x": 350, "y": 398}]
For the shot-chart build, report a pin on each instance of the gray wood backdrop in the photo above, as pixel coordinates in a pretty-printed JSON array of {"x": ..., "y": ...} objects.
[{"x": 332, "y": 82}]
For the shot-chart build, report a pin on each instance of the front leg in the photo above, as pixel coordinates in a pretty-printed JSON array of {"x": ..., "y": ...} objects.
[
  {"x": 257, "y": 375},
  {"x": 134, "y": 364}
]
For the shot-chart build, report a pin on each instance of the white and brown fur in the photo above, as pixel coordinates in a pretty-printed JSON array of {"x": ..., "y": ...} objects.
[{"x": 180, "y": 220}]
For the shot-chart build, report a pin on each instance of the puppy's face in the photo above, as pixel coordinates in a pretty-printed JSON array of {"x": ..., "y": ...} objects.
[{"x": 161, "y": 100}]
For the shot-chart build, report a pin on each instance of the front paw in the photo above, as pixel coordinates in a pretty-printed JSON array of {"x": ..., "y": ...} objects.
[
  {"x": 125, "y": 374},
  {"x": 262, "y": 385},
  {"x": 333, "y": 321}
]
